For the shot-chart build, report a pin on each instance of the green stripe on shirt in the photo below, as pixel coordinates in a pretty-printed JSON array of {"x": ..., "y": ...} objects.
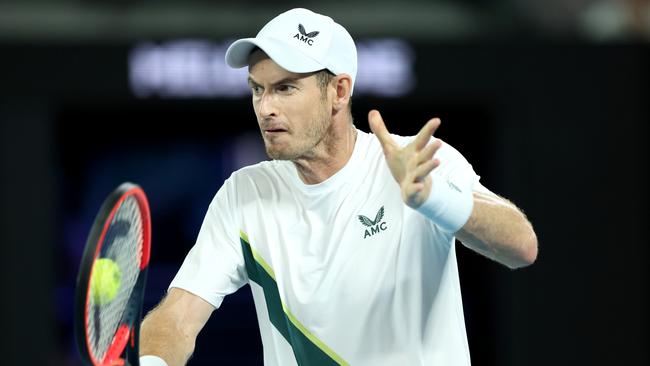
[{"x": 308, "y": 349}]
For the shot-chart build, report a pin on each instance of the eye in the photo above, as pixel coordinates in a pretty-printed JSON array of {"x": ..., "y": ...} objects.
[
  {"x": 286, "y": 88},
  {"x": 257, "y": 90}
]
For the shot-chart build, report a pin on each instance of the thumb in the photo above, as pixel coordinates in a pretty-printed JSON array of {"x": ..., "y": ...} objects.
[{"x": 378, "y": 127}]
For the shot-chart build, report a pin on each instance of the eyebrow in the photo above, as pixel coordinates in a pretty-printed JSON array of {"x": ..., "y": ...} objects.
[{"x": 287, "y": 80}]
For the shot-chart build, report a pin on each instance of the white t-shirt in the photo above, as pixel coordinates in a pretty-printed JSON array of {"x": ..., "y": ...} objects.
[{"x": 342, "y": 272}]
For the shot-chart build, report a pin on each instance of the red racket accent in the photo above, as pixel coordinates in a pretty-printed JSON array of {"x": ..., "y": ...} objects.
[
  {"x": 146, "y": 225},
  {"x": 119, "y": 342}
]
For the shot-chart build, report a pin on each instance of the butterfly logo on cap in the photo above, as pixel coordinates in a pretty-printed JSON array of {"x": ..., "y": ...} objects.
[
  {"x": 302, "y": 31},
  {"x": 304, "y": 36}
]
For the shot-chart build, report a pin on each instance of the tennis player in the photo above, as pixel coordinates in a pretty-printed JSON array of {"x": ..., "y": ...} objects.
[{"x": 345, "y": 237}]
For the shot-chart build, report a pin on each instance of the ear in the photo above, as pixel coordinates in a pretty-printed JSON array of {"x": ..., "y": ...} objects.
[{"x": 342, "y": 84}]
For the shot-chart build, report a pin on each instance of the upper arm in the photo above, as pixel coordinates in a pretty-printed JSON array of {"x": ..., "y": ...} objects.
[{"x": 499, "y": 230}]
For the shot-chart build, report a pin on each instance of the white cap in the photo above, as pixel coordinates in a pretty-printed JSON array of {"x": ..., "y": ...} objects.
[{"x": 300, "y": 41}]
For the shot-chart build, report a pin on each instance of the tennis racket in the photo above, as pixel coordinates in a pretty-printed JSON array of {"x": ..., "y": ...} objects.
[{"x": 107, "y": 314}]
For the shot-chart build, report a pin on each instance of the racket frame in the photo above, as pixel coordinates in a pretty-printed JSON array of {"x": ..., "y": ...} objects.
[{"x": 127, "y": 335}]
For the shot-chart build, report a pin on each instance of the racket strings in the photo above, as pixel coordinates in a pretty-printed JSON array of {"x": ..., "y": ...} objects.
[{"x": 123, "y": 244}]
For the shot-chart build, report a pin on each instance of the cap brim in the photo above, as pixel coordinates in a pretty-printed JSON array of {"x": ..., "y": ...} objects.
[{"x": 284, "y": 55}]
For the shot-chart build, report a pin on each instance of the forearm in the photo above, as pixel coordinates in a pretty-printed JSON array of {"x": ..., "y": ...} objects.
[
  {"x": 500, "y": 231},
  {"x": 170, "y": 330},
  {"x": 160, "y": 337}
]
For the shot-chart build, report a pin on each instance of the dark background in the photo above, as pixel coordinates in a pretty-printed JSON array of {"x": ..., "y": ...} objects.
[{"x": 553, "y": 119}]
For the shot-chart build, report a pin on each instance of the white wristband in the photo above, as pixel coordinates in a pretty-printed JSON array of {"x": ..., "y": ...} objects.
[
  {"x": 150, "y": 360},
  {"x": 448, "y": 205}
]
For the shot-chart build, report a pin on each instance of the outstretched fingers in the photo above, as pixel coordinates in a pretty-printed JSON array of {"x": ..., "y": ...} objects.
[
  {"x": 423, "y": 137},
  {"x": 423, "y": 170},
  {"x": 428, "y": 151},
  {"x": 378, "y": 127}
]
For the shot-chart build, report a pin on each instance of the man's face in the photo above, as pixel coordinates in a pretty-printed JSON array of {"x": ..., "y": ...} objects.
[{"x": 291, "y": 110}]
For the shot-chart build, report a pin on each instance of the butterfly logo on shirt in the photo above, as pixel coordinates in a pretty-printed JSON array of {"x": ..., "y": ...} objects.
[{"x": 374, "y": 226}]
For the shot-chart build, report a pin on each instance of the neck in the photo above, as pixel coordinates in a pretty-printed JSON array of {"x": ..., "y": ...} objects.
[{"x": 329, "y": 156}]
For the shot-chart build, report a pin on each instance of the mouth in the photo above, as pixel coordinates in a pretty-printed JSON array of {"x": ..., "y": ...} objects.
[{"x": 274, "y": 131}]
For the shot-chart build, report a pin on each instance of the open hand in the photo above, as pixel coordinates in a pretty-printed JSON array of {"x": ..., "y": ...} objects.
[{"x": 410, "y": 165}]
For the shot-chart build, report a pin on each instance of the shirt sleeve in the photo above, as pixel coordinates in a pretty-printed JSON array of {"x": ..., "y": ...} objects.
[
  {"x": 214, "y": 267},
  {"x": 458, "y": 170},
  {"x": 455, "y": 168}
]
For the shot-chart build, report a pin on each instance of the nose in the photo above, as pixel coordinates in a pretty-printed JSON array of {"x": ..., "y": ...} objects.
[{"x": 267, "y": 106}]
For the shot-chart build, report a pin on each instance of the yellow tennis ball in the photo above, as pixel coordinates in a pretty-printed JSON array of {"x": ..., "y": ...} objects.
[{"x": 106, "y": 280}]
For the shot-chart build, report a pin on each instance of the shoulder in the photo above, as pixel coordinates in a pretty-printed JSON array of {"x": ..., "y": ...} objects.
[
  {"x": 260, "y": 171},
  {"x": 248, "y": 184},
  {"x": 257, "y": 179}
]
